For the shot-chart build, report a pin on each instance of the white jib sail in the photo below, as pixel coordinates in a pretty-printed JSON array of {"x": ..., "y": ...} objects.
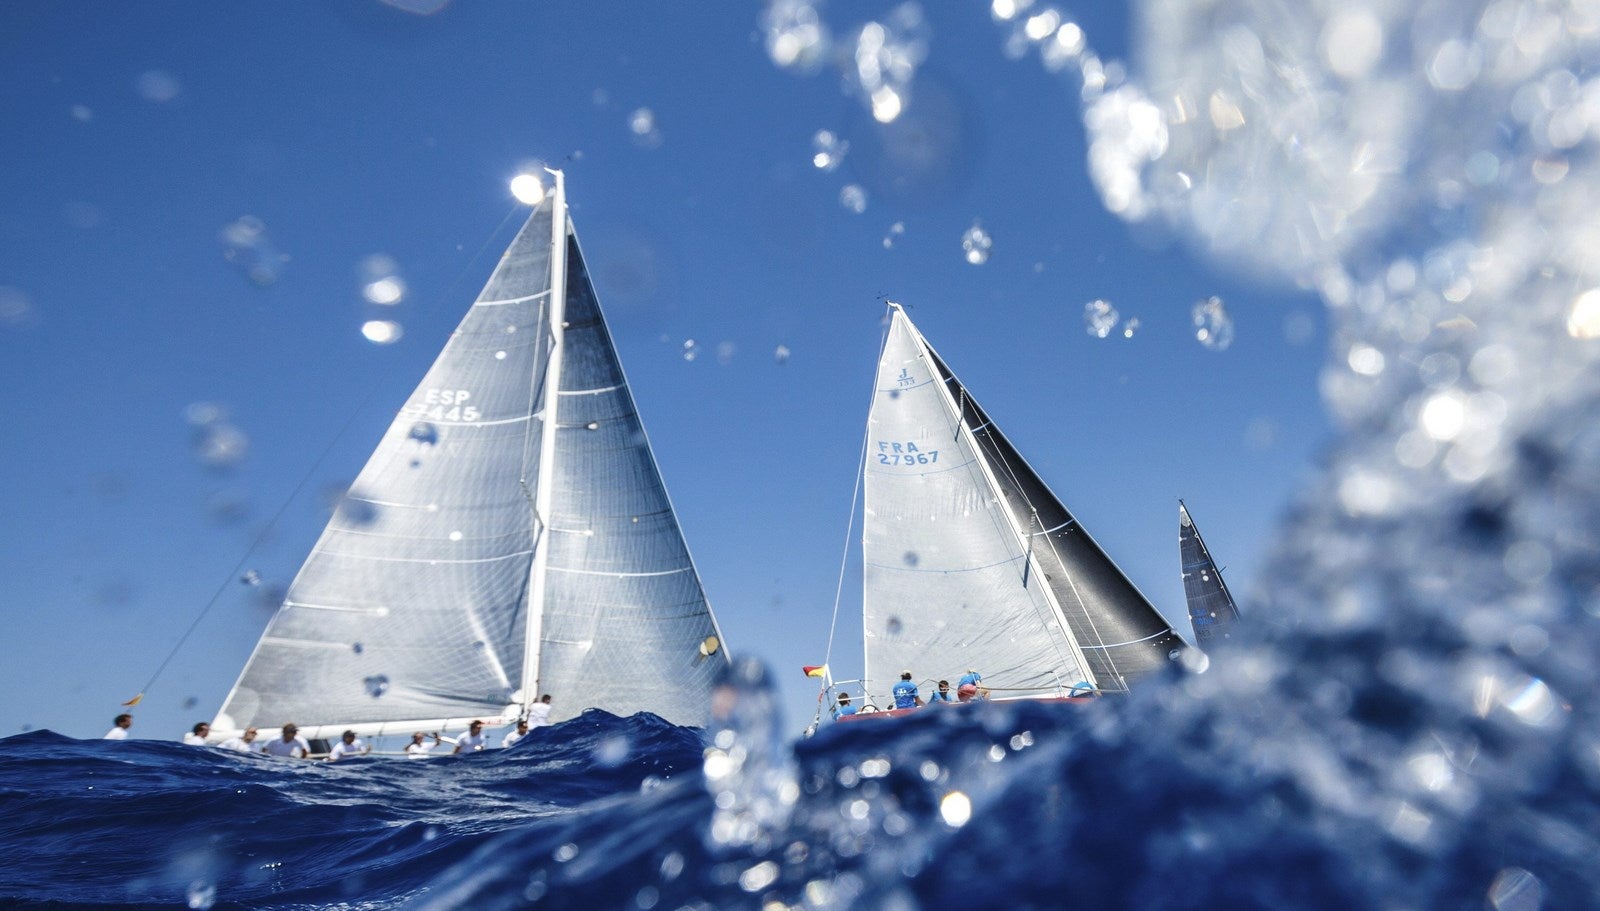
[{"x": 949, "y": 583}]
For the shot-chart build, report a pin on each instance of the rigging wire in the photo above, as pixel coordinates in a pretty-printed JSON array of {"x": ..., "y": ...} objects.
[
  {"x": 272, "y": 523},
  {"x": 855, "y": 496}
]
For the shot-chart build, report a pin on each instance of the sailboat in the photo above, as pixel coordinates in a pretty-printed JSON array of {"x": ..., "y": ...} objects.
[
  {"x": 510, "y": 536},
  {"x": 970, "y": 563},
  {"x": 1212, "y": 611}
]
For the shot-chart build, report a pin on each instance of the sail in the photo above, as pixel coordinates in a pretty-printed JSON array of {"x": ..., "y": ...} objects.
[
  {"x": 971, "y": 562},
  {"x": 1211, "y": 607},
  {"x": 510, "y": 535}
]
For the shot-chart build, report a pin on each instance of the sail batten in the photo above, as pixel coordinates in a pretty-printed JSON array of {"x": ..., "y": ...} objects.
[{"x": 421, "y": 598}]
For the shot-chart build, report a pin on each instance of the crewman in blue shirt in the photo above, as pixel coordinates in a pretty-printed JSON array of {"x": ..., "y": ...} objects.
[
  {"x": 905, "y": 693},
  {"x": 844, "y": 707},
  {"x": 942, "y": 694},
  {"x": 971, "y": 676}
]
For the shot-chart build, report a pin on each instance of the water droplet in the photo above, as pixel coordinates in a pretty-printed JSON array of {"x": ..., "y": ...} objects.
[
  {"x": 356, "y": 511},
  {"x": 955, "y": 808},
  {"x": 611, "y": 752},
  {"x": 382, "y": 331},
  {"x": 380, "y": 280},
  {"x": 1099, "y": 317},
  {"x": 910, "y": 558},
  {"x": 357, "y": 647},
  {"x": 853, "y": 198},
  {"x": 829, "y": 150},
  {"x": 690, "y": 350},
  {"x": 642, "y": 124},
  {"x": 424, "y": 433},
  {"x": 158, "y": 87},
  {"x": 976, "y": 243},
  {"x": 781, "y": 354},
  {"x": 220, "y": 446},
  {"x": 896, "y": 231},
  {"x": 16, "y": 310},
  {"x": 1212, "y": 324},
  {"x": 499, "y": 355},
  {"x": 82, "y": 113},
  {"x": 797, "y": 39},
  {"x": 1515, "y": 889},
  {"x": 1130, "y": 327},
  {"x": 190, "y": 702},
  {"x": 455, "y": 535},
  {"x": 246, "y": 245},
  {"x": 376, "y": 685},
  {"x": 893, "y": 626},
  {"x": 250, "y": 577},
  {"x": 201, "y": 895}
]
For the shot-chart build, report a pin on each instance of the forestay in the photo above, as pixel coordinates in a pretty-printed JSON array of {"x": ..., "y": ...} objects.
[
  {"x": 971, "y": 562},
  {"x": 511, "y": 535}
]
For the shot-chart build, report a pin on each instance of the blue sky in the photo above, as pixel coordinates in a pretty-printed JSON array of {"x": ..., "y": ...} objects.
[{"x": 135, "y": 134}]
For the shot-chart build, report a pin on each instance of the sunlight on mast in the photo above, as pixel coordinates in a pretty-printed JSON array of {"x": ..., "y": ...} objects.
[{"x": 527, "y": 188}]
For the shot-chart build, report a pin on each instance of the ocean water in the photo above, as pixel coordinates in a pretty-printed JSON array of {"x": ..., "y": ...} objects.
[{"x": 1200, "y": 793}]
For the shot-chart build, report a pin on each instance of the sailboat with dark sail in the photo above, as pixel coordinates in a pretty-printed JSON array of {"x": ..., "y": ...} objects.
[
  {"x": 970, "y": 563},
  {"x": 510, "y": 536},
  {"x": 1212, "y": 610}
]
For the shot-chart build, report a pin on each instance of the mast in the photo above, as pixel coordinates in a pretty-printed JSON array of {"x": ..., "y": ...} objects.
[
  {"x": 1031, "y": 568},
  {"x": 534, "y": 626}
]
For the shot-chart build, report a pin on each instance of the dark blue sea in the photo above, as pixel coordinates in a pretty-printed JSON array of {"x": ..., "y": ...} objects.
[{"x": 1206, "y": 791}]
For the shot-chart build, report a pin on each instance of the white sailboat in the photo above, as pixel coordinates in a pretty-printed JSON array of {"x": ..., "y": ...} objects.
[
  {"x": 510, "y": 536},
  {"x": 971, "y": 563}
]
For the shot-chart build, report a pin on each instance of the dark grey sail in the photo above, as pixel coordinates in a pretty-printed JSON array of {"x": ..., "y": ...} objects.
[
  {"x": 509, "y": 536},
  {"x": 1212, "y": 610}
]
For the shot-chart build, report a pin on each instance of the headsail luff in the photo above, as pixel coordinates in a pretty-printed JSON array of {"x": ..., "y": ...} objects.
[
  {"x": 970, "y": 561},
  {"x": 1212, "y": 610},
  {"x": 413, "y": 608}
]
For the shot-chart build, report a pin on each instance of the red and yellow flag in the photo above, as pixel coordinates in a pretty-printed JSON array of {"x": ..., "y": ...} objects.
[
  {"x": 134, "y": 701},
  {"x": 815, "y": 670}
]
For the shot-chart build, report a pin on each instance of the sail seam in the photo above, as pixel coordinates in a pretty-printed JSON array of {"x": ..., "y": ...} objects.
[
  {"x": 1154, "y": 635},
  {"x": 511, "y": 300},
  {"x": 600, "y": 391},
  {"x": 428, "y": 560},
  {"x": 601, "y": 572}
]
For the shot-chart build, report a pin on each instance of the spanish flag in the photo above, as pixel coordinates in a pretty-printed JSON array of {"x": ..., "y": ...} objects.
[
  {"x": 134, "y": 701},
  {"x": 815, "y": 670}
]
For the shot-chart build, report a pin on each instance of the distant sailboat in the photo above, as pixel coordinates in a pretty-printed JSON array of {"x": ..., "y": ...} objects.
[
  {"x": 510, "y": 536},
  {"x": 970, "y": 561},
  {"x": 1211, "y": 607}
]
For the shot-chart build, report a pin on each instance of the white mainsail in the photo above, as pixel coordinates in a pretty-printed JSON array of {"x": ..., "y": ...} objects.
[
  {"x": 971, "y": 562},
  {"x": 510, "y": 536}
]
